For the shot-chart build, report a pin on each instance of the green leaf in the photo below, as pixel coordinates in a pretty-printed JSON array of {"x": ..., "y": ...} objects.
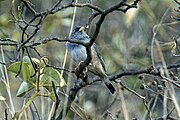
[
  {"x": 24, "y": 88},
  {"x": 26, "y": 59},
  {"x": 52, "y": 96},
  {"x": 26, "y": 71},
  {"x": 49, "y": 75}
]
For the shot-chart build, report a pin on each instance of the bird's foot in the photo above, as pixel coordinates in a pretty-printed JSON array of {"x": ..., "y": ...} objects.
[{"x": 84, "y": 72}]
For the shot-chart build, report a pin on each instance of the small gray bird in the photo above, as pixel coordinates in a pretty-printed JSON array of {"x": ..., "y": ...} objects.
[{"x": 78, "y": 54}]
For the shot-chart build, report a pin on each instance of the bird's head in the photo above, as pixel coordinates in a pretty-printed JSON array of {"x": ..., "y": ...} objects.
[{"x": 79, "y": 33}]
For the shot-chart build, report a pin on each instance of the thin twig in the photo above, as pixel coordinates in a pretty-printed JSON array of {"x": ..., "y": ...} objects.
[
  {"x": 6, "y": 114},
  {"x": 56, "y": 103}
]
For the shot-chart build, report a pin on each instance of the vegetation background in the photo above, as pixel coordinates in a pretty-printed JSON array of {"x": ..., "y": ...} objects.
[{"x": 132, "y": 41}]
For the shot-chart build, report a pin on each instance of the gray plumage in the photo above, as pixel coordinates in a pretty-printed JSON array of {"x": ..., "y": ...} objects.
[{"x": 78, "y": 53}]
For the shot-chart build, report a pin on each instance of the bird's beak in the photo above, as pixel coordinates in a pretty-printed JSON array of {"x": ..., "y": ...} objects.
[{"x": 81, "y": 29}]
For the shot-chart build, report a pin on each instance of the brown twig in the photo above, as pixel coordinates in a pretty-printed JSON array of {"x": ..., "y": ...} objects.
[
  {"x": 6, "y": 114},
  {"x": 57, "y": 101},
  {"x": 26, "y": 3},
  {"x": 167, "y": 117}
]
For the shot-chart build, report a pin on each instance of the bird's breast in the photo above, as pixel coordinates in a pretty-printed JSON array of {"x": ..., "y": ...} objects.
[{"x": 78, "y": 53}]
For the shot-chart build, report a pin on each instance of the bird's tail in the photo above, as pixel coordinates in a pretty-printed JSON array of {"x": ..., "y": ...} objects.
[{"x": 108, "y": 84}]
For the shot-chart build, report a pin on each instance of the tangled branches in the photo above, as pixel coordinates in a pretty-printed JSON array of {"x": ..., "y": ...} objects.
[{"x": 31, "y": 27}]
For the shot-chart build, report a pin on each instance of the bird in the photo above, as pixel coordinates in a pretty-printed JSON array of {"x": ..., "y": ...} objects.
[{"x": 78, "y": 54}]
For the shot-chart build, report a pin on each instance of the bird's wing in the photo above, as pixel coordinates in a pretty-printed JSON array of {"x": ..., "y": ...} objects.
[{"x": 99, "y": 56}]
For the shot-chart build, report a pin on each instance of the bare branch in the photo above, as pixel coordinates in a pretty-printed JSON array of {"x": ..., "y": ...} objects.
[
  {"x": 57, "y": 101},
  {"x": 96, "y": 8},
  {"x": 8, "y": 42},
  {"x": 26, "y": 3}
]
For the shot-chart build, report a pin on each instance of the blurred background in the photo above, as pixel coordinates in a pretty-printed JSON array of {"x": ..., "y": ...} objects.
[{"x": 125, "y": 41}]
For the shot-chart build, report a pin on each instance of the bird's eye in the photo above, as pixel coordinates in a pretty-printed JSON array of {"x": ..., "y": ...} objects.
[{"x": 77, "y": 29}]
